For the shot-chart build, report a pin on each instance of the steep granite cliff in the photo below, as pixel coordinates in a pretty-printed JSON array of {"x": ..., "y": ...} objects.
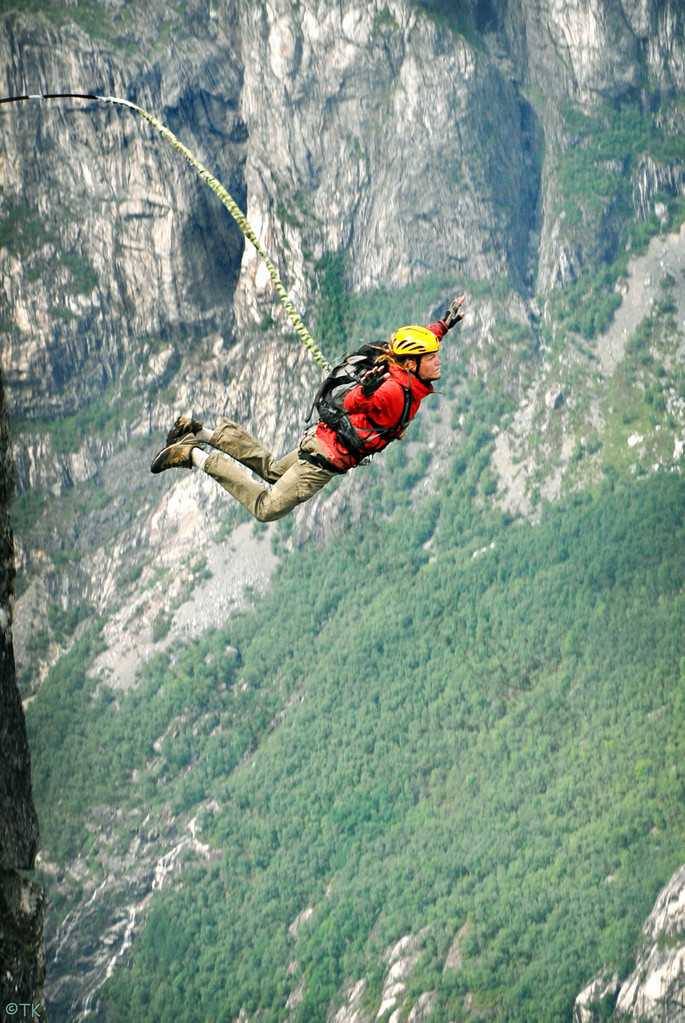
[{"x": 22, "y": 952}]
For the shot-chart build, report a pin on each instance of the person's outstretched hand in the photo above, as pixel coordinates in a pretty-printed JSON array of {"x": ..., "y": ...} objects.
[{"x": 454, "y": 314}]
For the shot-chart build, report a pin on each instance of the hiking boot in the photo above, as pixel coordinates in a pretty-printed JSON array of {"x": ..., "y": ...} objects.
[
  {"x": 175, "y": 456},
  {"x": 182, "y": 426}
]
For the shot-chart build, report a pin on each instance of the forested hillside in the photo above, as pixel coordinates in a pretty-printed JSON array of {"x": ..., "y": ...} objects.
[{"x": 410, "y": 736}]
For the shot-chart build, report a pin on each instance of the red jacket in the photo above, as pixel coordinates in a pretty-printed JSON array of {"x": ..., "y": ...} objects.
[{"x": 383, "y": 408}]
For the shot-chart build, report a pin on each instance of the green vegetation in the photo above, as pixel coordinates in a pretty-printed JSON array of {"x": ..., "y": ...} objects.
[
  {"x": 375, "y": 314},
  {"x": 21, "y": 231},
  {"x": 161, "y": 626},
  {"x": 595, "y": 171},
  {"x": 455, "y": 17},
  {"x": 100, "y": 418},
  {"x": 52, "y": 11},
  {"x": 104, "y": 416},
  {"x": 114, "y": 27},
  {"x": 588, "y": 309},
  {"x": 493, "y": 742},
  {"x": 27, "y": 508},
  {"x": 445, "y": 720},
  {"x": 346, "y": 319},
  {"x": 84, "y": 278},
  {"x": 383, "y": 23},
  {"x": 94, "y": 18},
  {"x": 637, "y": 396},
  {"x": 332, "y": 322},
  {"x": 595, "y": 182},
  {"x": 64, "y": 623}
]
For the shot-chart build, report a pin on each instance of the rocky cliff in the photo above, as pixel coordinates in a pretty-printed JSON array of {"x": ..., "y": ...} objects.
[
  {"x": 429, "y": 145},
  {"x": 22, "y": 952},
  {"x": 655, "y": 988}
]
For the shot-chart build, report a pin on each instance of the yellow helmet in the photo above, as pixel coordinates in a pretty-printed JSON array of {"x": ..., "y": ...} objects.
[{"x": 414, "y": 341}]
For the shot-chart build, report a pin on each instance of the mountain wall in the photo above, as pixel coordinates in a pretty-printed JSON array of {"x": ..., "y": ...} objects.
[
  {"x": 22, "y": 951},
  {"x": 427, "y": 146},
  {"x": 422, "y": 142}
]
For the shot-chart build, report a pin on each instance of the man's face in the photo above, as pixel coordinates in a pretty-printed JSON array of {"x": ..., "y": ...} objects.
[{"x": 429, "y": 367}]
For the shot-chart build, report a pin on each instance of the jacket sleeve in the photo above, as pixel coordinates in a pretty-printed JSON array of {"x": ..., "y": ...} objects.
[
  {"x": 439, "y": 329},
  {"x": 384, "y": 406}
]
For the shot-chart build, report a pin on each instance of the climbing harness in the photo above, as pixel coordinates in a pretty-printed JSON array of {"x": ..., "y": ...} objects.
[
  {"x": 218, "y": 190},
  {"x": 329, "y": 402}
]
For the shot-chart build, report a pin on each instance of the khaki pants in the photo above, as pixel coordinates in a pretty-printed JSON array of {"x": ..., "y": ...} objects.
[{"x": 293, "y": 479}]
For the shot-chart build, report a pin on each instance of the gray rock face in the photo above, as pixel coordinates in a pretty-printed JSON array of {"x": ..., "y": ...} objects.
[
  {"x": 655, "y": 988},
  {"x": 21, "y": 942},
  {"x": 396, "y": 133},
  {"x": 19, "y": 835},
  {"x": 108, "y": 248},
  {"x": 22, "y": 953},
  {"x": 597, "y": 992},
  {"x": 387, "y": 109},
  {"x": 389, "y": 132}
]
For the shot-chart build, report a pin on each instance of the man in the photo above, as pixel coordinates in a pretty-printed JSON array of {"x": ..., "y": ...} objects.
[{"x": 378, "y": 411}]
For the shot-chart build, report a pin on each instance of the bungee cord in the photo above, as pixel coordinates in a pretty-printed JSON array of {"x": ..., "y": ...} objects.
[{"x": 218, "y": 189}]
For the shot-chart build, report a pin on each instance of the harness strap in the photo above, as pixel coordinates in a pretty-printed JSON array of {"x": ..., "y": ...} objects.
[
  {"x": 397, "y": 430},
  {"x": 320, "y": 461}
]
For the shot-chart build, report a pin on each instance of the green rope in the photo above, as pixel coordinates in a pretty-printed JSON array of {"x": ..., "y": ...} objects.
[{"x": 223, "y": 195}]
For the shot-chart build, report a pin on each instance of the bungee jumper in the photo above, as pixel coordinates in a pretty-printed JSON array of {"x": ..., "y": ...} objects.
[{"x": 363, "y": 405}]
